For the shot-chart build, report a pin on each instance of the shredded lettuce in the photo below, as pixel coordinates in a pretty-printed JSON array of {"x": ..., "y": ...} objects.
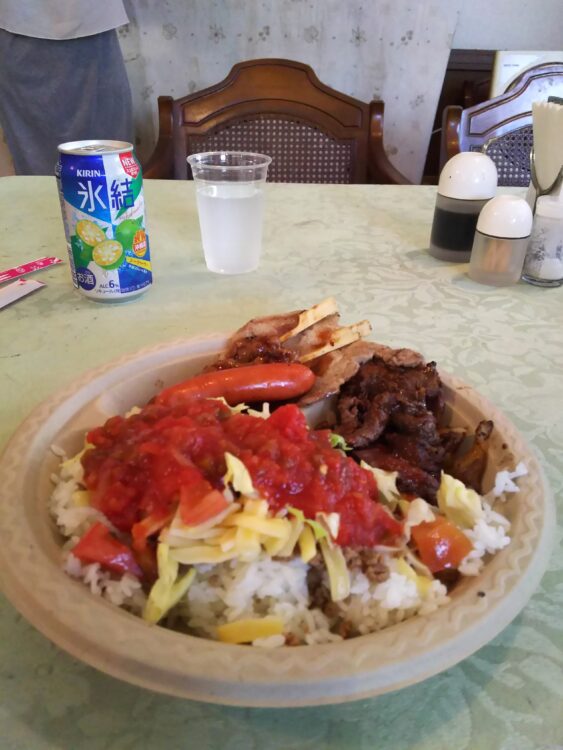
[
  {"x": 460, "y": 504},
  {"x": 307, "y": 544},
  {"x": 264, "y": 413},
  {"x": 238, "y": 476},
  {"x": 338, "y": 575},
  {"x": 386, "y": 484},
  {"x": 168, "y": 589},
  {"x": 70, "y": 465},
  {"x": 296, "y": 528},
  {"x": 234, "y": 409},
  {"x": 423, "y": 583},
  {"x": 330, "y": 522},
  {"x": 337, "y": 441},
  {"x": 317, "y": 528},
  {"x": 299, "y": 515},
  {"x": 419, "y": 511}
]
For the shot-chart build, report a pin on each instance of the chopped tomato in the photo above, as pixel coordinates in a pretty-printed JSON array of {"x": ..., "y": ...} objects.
[
  {"x": 290, "y": 422},
  {"x": 147, "y": 562},
  {"x": 200, "y": 502},
  {"x": 440, "y": 544},
  {"x": 142, "y": 530},
  {"x": 167, "y": 456},
  {"x": 98, "y": 545}
]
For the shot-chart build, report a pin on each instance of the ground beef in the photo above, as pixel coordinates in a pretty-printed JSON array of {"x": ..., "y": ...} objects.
[
  {"x": 292, "y": 640},
  {"x": 345, "y": 629},
  {"x": 370, "y": 562},
  {"x": 319, "y": 595}
]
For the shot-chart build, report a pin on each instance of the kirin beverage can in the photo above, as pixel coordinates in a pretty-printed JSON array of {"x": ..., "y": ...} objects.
[{"x": 101, "y": 193}]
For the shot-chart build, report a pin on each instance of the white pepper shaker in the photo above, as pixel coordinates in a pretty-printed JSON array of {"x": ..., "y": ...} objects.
[
  {"x": 501, "y": 240},
  {"x": 543, "y": 265}
]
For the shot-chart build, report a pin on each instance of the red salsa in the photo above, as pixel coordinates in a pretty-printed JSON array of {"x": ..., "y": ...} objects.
[{"x": 141, "y": 466}]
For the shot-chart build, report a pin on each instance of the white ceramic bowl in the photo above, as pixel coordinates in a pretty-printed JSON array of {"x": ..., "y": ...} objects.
[{"x": 116, "y": 642}]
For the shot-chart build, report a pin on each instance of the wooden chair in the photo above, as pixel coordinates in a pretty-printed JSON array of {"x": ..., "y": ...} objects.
[
  {"x": 280, "y": 108},
  {"x": 502, "y": 127}
]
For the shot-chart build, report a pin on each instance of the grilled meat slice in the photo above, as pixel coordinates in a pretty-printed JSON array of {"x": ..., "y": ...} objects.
[
  {"x": 414, "y": 383},
  {"x": 362, "y": 422},
  {"x": 262, "y": 340},
  {"x": 258, "y": 342},
  {"x": 271, "y": 326},
  {"x": 313, "y": 337},
  {"x": 413, "y": 435},
  {"x": 411, "y": 480},
  {"x": 336, "y": 368},
  {"x": 332, "y": 370},
  {"x": 398, "y": 357},
  {"x": 389, "y": 411},
  {"x": 302, "y": 335},
  {"x": 418, "y": 451},
  {"x": 378, "y": 391}
]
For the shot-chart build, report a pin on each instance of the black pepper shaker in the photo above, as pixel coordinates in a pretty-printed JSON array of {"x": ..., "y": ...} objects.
[{"x": 467, "y": 181}]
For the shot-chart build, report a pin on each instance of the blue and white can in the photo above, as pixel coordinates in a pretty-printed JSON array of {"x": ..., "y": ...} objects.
[{"x": 101, "y": 192}]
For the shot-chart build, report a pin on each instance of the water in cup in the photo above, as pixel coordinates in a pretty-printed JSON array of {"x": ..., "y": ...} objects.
[
  {"x": 231, "y": 217},
  {"x": 230, "y": 203}
]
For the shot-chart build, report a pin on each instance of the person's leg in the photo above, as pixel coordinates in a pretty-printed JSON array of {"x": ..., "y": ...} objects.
[{"x": 57, "y": 91}]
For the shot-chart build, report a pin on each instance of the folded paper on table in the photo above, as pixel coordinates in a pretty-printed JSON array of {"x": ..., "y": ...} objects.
[{"x": 18, "y": 289}]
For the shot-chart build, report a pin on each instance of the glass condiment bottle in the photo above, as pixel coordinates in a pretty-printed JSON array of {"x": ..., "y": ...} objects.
[
  {"x": 501, "y": 239},
  {"x": 543, "y": 265},
  {"x": 467, "y": 181}
]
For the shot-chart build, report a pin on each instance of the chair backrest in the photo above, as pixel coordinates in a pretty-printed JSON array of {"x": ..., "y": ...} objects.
[
  {"x": 277, "y": 107},
  {"x": 502, "y": 127}
]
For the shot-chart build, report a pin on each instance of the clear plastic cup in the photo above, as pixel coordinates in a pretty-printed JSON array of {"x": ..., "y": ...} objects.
[{"x": 230, "y": 204}]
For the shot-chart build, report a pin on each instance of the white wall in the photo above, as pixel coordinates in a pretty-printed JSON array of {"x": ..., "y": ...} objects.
[{"x": 510, "y": 24}]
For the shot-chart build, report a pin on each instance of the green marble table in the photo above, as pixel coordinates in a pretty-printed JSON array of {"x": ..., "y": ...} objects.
[{"x": 366, "y": 246}]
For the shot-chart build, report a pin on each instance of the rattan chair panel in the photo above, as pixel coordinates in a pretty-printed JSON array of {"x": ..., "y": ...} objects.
[
  {"x": 502, "y": 126},
  {"x": 300, "y": 152},
  {"x": 511, "y": 155}
]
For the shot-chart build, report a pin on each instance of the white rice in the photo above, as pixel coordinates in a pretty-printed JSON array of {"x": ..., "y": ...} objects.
[
  {"x": 488, "y": 536},
  {"x": 73, "y": 522},
  {"x": 235, "y": 590},
  {"x": 504, "y": 480}
]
